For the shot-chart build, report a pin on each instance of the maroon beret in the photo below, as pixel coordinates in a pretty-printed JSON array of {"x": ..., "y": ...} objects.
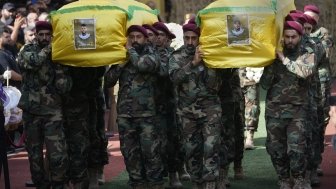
[
  {"x": 296, "y": 11},
  {"x": 162, "y": 27},
  {"x": 191, "y": 26},
  {"x": 137, "y": 28},
  {"x": 42, "y": 25},
  {"x": 151, "y": 28},
  {"x": 299, "y": 17},
  {"x": 294, "y": 25},
  {"x": 310, "y": 19},
  {"x": 312, "y": 8}
]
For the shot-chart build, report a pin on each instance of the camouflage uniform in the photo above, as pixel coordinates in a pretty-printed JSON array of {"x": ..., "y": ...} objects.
[
  {"x": 76, "y": 112},
  {"x": 98, "y": 156},
  {"x": 324, "y": 68},
  {"x": 168, "y": 131},
  {"x": 43, "y": 84},
  {"x": 325, "y": 78},
  {"x": 200, "y": 113},
  {"x": 287, "y": 98},
  {"x": 136, "y": 109},
  {"x": 315, "y": 127},
  {"x": 250, "y": 90},
  {"x": 233, "y": 119}
]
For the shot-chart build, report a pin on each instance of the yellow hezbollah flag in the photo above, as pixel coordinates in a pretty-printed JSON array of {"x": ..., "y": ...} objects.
[
  {"x": 138, "y": 13},
  {"x": 90, "y": 33},
  {"x": 242, "y": 33}
]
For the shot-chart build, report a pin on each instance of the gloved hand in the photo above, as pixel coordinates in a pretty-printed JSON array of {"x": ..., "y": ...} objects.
[{"x": 7, "y": 74}]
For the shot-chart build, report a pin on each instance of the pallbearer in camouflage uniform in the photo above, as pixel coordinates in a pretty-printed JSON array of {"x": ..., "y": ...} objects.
[
  {"x": 232, "y": 148},
  {"x": 76, "y": 109},
  {"x": 249, "y": 81},
  {"x": 324, "y": 70},
  {"x": 136, "y": 109},
  {"x": 287, "y": 84},
  {"x": 43, "y": 84},
  {"x": 239, "y": 123},
  {"x": 315, "y": 108},
  {"x": 323, "y": 35},
  {"x": 165, "y": 105},
  {"x": 199, "y": 108},
  {"x": 98, "y": 156}
]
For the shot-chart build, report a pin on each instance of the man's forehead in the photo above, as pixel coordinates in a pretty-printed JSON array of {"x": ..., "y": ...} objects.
[
  {"x": 150, "y": 32},
  {"x": 190, "y": 34},
  {"x": 135, "y": 33},
  {"x": 161, "y": 32},
  {"x": 44, "y": 31},
  {"x": 290, "y": 32}
]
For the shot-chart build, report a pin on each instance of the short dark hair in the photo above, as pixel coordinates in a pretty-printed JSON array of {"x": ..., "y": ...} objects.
[
  {"x": 83, "y": 24},
  {"x": 4, "y": 29}
]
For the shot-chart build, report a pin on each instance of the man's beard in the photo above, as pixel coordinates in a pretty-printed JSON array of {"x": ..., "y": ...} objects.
[
  {"x": 138, "y": 47},
  {"x": 191, "y": 49},
  {"x": 291, "y": 48},
  {"x": 43, "y": 43},
  {"x": 7, "y": 46}
]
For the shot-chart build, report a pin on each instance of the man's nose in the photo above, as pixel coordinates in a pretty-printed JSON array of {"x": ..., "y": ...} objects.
[{"x": 189, "y": 41}]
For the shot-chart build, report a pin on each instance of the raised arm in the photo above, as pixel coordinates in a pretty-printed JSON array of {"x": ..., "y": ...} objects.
[
  {"x": 31, "y": 59},
  {"x": 303, "y": 66},
  {"x": 147, "y": 63}
]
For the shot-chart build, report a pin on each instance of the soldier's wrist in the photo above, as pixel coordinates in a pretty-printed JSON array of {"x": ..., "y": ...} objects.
[
  {"x": 193, "y": 63},
  {"x": 46, "y": 50}
]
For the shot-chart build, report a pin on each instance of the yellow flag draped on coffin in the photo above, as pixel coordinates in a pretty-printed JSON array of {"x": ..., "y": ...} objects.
[
  {"x": 138, "y": 12},
  {"x": 89, "y": 33},
  {"x": 242, "y": 33}
]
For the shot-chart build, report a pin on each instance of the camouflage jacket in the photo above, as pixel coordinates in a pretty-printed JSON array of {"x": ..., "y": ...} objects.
[
  {"x": 327, "y": 42},
  {"x": 314, "y": 45},
  {"x": 164, "y": 95},
  {"x": 197, "y": 87},
  {"x": 137, "y": 81},
  {"x": 287, "y": 84},
  {"x": 43, "y": 82},
  {"x": 76, "y": 101},
  {"x": 326, "y": 39},
  {"x": 230, "y": 90}
]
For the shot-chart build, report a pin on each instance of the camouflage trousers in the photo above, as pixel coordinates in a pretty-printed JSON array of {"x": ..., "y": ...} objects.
[
  {"x": 169, "y": 133},
  {"x": 76, "y": 113},
  {"x": 140, "y": 146},
  {"x": 201, "y": 143},
  {"x": 252, "y": 106},
  {"x": 286, "y": 144},
  {"x": 98, "y": 155},
  {"x": 46, "y": 130},
  {"x": 315, "y": 133},
  {"x": 325, "y": 92},
  {"x": 232, "y": 134}
]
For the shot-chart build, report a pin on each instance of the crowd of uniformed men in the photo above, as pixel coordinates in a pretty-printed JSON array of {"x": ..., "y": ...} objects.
[{"x": 176, "y": 117}]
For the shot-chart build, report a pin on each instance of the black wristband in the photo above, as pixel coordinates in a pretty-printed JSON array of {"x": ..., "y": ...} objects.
[{"x": 332, "y": 100}]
